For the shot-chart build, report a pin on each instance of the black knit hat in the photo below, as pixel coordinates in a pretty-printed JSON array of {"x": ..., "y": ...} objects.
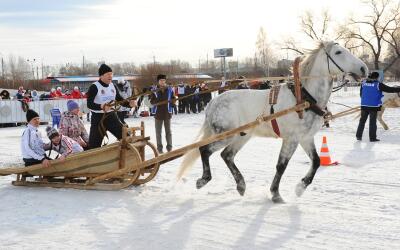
[
  {"x": 30, "y": 114},
  {"x": 160, "y": 76},
  {"x": 374, "y": 75},
  {"x": 104, "y": 68}
]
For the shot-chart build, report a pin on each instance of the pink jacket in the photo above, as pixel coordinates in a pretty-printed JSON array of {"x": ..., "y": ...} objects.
[{"x": 72, "y": 126}]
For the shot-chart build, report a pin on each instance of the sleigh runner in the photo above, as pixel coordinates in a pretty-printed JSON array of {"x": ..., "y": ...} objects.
[{"x": 118, "y": 165}]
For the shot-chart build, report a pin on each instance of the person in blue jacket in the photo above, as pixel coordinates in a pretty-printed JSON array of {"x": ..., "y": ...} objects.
[{"x": 371, "y": 102}]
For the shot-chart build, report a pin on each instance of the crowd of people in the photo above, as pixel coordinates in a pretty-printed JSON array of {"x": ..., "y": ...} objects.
[{"x": 27, "y": 95}]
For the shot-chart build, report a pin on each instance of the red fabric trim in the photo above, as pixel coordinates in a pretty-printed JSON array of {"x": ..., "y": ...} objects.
[{"x": 275, "y": 127}]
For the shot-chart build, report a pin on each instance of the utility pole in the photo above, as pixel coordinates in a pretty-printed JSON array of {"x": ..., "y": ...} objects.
[
  {"x": 207, "y": 63},
  {"x": 2, "y": 68},
  {"x": 83, "y": 65},
  {"x": 237, "y": 68},
  {"x": 32, "y": 61},
  {"x": 42, "y": 70}
]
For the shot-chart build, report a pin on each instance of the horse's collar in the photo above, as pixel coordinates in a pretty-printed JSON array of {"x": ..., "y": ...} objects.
[{"x": 306, "y": 96}]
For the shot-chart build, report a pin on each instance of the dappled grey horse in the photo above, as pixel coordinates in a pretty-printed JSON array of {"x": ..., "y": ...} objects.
[{"x": 238, "y": 107}]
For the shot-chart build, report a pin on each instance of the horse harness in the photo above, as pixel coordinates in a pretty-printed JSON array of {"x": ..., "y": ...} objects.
[
  {"x": 273, "y": 98},
  {"x": 300, "y": 93}
]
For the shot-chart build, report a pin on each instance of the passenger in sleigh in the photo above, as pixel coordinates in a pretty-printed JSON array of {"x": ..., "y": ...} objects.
[
  {"x": 32, "y": 145},
  {"x": 62, "y": 144},
  {"x": 72, "y": 126}
]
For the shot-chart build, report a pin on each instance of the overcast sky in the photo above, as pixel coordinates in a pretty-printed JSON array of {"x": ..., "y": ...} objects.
[{"x": 134, "y": 31}]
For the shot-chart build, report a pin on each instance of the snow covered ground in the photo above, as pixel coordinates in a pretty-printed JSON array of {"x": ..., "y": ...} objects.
[{"x": 355, "y": 205}]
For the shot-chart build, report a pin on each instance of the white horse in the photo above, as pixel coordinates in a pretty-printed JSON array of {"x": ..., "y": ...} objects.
[{"x": 238, "y": 107}]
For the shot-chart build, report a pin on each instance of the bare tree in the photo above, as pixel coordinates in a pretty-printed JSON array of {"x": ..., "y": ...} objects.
[
  {"x": 264, "y": 51},
  {"x": 315, "y": 28},
  {"x": 310, "y": 28},
  {"x": 290, "y": 44},
  {"x": 377, "y": 30}
]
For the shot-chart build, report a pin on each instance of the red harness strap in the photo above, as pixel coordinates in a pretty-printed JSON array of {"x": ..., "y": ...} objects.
[
  {"x": 297, "y": 84},
  {"x": 273, "y": 97}
]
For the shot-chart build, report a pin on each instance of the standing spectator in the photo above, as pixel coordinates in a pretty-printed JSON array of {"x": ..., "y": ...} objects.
[
  {"x": 181, "y": 93},
  {"x": 174, "y": 108},
  {"x": 59, "y": 92},
  {"x": 192, "y": 99},
  {"x": 188, "y": 100},
  {"x": 125, "y": 90},
  {"x": 53, "y": 93},
  {"x": 67, "y": 94},
  {"x": 32, "y": 146},
  {"x": 197, "y": 107},
  {"x": 76, "y": 93},
  {"x": 205, "y": 96},
  {"x": 99, "y": 94},
  {"x": 371, "y": 102},
  {"x": 5, "y": 95},
  {"x": 20, "y": 93},
  {"x": 72, "y": 126},
  {"x": 27, "y": 96},
  {"x": 223, "y": 84},
  {"x": 163, "y": 113},
  {"x": 35, "y": 96}
]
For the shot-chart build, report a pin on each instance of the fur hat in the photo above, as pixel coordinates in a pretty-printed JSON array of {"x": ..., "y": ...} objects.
[
  {"x": 30, "y": 114},
  {"x": 51, "y": 132},
  {"x": 161, "y": 76},
  {"x": 104, "y": 68},
  {"x": 71, "y": 105}
]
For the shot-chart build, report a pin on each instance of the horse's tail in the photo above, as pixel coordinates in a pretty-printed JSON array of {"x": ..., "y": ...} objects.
[{"x": 191, "y": 156}]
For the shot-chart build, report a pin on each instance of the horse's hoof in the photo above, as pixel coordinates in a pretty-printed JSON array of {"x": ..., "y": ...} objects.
[
  {"x": 277, "y": 199},
  {"x": 241, "y": 188},
  {"x": 201, "y": 182},
  {"x": 300, "y": 188}
]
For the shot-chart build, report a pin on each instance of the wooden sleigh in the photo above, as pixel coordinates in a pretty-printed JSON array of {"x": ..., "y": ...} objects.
[
  {"x": 118, "y": 165},
  {"x": 78, "y": 169}
]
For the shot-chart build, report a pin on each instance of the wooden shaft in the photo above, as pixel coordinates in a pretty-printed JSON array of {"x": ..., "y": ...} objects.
[
  {"x": 344, "y": 113},
  {"x": 181, "y": 151},
  {"x": 297, "y": 83}
]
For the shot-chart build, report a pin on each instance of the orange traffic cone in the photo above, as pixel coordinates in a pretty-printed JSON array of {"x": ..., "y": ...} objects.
[{"x": 324, "y": 157}]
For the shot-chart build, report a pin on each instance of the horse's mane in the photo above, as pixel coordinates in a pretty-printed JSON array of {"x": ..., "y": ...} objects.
[{"x": 307, "y": 61}]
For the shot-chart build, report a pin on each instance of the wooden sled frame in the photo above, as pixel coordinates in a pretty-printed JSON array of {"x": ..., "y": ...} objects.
[
  {"x": 79, "y": 169},
  {"x": 121, "y": 164}
]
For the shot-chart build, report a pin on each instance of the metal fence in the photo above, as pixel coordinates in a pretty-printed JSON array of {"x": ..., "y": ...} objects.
[{"x": 11, "y": 110}]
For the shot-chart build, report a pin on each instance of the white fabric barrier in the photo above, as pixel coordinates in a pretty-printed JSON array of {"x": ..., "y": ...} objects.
[{"x": 11, "y": 110}]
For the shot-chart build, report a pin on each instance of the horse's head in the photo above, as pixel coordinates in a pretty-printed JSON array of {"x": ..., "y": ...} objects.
[{"x": 341, "y": 60}]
